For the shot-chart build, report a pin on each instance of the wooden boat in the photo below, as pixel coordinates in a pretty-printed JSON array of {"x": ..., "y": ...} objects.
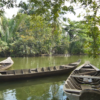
[
  {"x": 5, "y": 64},
  {"x": 83, "y": 80},
  {"x": 37, "y": 72}
]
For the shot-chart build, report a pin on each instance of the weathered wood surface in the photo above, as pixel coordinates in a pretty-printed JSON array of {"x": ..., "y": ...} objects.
[
  {"x": 84, "y": 78},
  {"x": 73, "y": 90},
  {"x": 37, "y": 72},
  {"x": 5, "y": 64}
]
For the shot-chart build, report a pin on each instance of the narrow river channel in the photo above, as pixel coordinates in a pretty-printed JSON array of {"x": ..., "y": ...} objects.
[{"x": 48, "y": 88}]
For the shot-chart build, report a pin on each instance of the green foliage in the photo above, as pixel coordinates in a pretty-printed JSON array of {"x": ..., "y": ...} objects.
[
  {"x": 92, "y": 22},
  {"x": 94, "y": 33},
  {"x": 3, "y": 47},
  {"x": 32, "y": 35},
  {"x": 52, "y": 7},
  {"x": 77, "y": 35},
  {"x": 10, "y": 27},
  {"x": 42, "y": 31}
]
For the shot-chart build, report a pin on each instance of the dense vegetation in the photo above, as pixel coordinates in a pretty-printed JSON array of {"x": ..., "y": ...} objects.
[{"x": 38, "y": 28}]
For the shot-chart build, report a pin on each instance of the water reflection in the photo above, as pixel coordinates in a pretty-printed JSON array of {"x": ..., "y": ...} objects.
[
  {"x": 9, "y": 94},
  {"x": 36, "y": 62},
  {"x": 38, "y": 89},
  {"x": 50, "y": 88}
]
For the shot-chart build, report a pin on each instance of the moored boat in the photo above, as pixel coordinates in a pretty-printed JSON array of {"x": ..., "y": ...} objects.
[
  {"x": 5, "y": 64},
  {"x": 37, "y": 72},
  {"x": 83, "y": 83}
]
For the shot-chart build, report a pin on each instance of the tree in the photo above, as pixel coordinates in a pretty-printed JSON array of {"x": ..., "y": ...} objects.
[
  {"x": 32, "y": 36},
  {"x": 92, "y": 21},
  {"x": 51, "y": 11},
  {"x": 27, "y": 8},
  {"x": 3, "y": 47},
  {"x": 77, "y": 36},
  {"x": 9, "y": 28}
]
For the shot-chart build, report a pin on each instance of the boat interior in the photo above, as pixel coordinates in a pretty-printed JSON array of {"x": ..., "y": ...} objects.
[
  {"x": 84, "y": 77},
  {"x": 2, "y": 65}
]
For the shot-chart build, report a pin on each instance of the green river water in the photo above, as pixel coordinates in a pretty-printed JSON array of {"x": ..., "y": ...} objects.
[{"x": 48, "y": 88}]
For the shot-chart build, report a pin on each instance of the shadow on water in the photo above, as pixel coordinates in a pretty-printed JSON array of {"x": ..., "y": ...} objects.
[
  {"x": 48, "y": 88},
  {"x": 90, "y": 96},
  {"x": 29, "y": 82}
]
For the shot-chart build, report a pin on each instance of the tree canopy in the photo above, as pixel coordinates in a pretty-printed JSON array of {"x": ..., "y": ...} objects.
[{"x": 38, "y": 28}]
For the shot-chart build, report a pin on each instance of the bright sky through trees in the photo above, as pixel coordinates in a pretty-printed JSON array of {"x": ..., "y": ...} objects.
[{"x": 13, "y": 11}]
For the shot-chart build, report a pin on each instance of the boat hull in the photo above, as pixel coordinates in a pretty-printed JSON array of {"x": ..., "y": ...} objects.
[
  {"x": 35, "y": 75},
  {"x": 72, "y": 96},
  {"x": 90, "y": 94},
  {"x": 86, "y": 95},
  {"x": 83, "y": 83},
  {"x": 6, "y": 64}
]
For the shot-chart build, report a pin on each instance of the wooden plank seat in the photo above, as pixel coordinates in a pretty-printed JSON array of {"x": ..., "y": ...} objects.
[
  {"x": 46, "y": 69},
  {"x": 26, "y": 71},
  {"x": 62, "y": 66},
  {"x": 86, "y": 86},
  {"x": 90, "y": 73},
  {"x": 57, "y": 67},
  {"x": 39, "y": 70},
  {"x": 89, "y": 69},
  {"x": 86, "y": 76},
  {"x": 72, "y": 90},
  {"x": 51, "y": 68},
  {"x": 10, "y": 72},
  {"x": 17, "y": 72}
]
